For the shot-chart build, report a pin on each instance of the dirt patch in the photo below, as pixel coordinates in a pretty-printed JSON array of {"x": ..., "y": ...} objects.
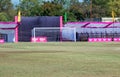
[
  {"x": 115, "y": 45},
  {"x": 3, "y": 55},
  {"x": 14, "y": 52}
]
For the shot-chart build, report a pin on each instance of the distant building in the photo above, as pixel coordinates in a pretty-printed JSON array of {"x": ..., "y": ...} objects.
[
  {"x": 92, "y": 20},
  {"x": 110, "y": 19}
]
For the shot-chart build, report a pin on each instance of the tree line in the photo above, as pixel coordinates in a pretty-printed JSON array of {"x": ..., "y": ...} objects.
[{"x": 73, "y": 9}]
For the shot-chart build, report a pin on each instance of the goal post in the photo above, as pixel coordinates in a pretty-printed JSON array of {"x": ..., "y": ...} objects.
[
  {"x": 55, "y": 33},
  {"x": 69, "y": 34}
]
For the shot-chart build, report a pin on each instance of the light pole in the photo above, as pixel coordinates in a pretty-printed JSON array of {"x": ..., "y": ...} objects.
[
  {"x": 113, "y": 13},
  {"x": 19, "y": 12},
  {"x": 113, "y": 17}
]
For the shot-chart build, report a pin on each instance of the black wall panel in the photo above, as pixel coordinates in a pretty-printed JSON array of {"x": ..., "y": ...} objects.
[{"x": 28, "y": 23}]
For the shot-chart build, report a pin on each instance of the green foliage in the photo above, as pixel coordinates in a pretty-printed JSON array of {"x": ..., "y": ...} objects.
[
  {"x": 51, "y": 9},
  {"x": 71, "y": 17},
  {"x": 115, "y": 6},
  {"x": 76, "y": 11},
  {"x": 3, "y": 17},
  {"x": 7, "y": 10},
  {"x": 29, "y": 7},
  {"x": 98, "y": 8},
  {"x": 5, "y": 5}
]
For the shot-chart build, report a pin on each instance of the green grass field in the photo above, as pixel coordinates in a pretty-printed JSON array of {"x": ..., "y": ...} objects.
[{"x": 80, "y": 59}]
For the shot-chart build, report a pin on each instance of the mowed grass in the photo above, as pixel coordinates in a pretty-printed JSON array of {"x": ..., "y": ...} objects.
[{"x": 81, "y": 59}]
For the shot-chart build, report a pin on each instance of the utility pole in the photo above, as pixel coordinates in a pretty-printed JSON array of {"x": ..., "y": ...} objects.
[
  {"x": 113, "y": 13},
  {"x": 19, "y": 13}
]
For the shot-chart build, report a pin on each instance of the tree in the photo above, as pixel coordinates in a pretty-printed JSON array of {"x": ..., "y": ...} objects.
[
  {"x": 65, "y": 3},
  {"x": 85, "y": 7},
  {"x": 40, "y": 8},
  {"x": 51, "y": 9},
  {"x": 3, "y": 17},
  {"x": 6, "y": 7},
  {"x": 30, "y": 7},
  {"x": 73, "y": 8},
  {"x": 98, "y": 8},
  {"x": 114, "y": 5},
  {"x": 77, "y": 12}
]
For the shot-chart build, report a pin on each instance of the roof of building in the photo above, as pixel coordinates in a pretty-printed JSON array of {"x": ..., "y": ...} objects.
[
  {"x": 7, "y": 25},
  {"x": 114, "y": 25},
  {"x": 76, "y": 24},
  {"x": 97, "y": 24}
]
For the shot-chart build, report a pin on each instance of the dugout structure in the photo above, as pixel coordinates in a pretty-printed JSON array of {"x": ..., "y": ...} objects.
[
  {"x": 86, "y": 30},
  {"x": 29, "y": 23},
  {"x": 9, "y": 31}
]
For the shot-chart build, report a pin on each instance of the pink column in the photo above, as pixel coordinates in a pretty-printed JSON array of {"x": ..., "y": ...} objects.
[
  {"x": 61, "y": 25},
  {"x": 16, "y": 19},
  {"x": 16, "y": 34}
]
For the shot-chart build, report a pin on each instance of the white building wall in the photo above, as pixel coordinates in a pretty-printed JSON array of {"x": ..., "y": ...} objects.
[
  {"x": 10, "y": 34},
  {"x": 110, "y": 19}
]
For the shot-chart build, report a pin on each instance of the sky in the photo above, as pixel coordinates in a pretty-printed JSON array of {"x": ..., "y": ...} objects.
[{"x": 17, "y": 1}]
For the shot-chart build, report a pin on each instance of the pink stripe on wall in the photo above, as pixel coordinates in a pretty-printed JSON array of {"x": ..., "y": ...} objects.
[
  {"x": 16, "y": 29},
  {"x": 8, "y": 23},
  {"x": 116, "y": 39},
  {"x": 100, "y": 40},
  {"x": 78, "y": 22},
  {"x": 2, "y": 41},
  {"x": 101, "y": 22},
  {"x": 16, "y": 34},
  {"x": 61, "y": 21},
  {"x": 38, "y": 39},
  {"x": 61, "y": 25},
  {"x": 89, "y": 22}
]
